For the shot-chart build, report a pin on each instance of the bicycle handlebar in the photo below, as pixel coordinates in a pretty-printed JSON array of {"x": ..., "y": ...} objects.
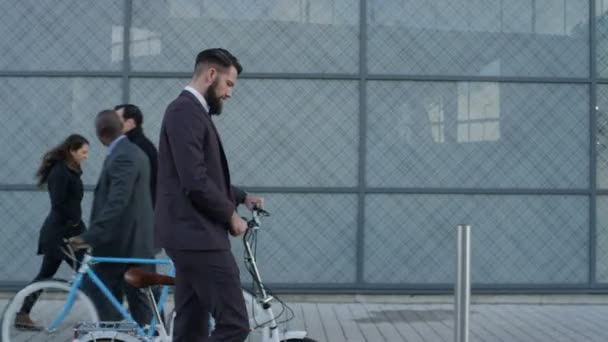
[
  {"x": 256, "y": 213},
  {"x": 259, "y": 211}
]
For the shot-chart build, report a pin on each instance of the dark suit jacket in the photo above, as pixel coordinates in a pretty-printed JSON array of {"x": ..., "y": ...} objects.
[
  {"x": 137, "y": 136},
  {"x": 194, "y": 196},
  {"x": 121, "y": 217},
  {"x": 64, "y": 220}
]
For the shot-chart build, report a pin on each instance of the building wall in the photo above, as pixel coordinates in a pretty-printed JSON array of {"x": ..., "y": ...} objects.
[{"x": 372, "y": 127}]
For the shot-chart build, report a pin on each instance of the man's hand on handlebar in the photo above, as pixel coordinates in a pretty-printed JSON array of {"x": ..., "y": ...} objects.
[
  {"x": 251, "y": 201},
  {"x": 76, "y": 242}
]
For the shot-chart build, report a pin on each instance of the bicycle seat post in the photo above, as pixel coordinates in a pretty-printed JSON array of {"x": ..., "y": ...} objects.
[{"x": 158, "y": 318}]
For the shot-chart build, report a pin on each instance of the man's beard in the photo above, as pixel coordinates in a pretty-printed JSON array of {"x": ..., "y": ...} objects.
[{"x": 214, "y": 101}]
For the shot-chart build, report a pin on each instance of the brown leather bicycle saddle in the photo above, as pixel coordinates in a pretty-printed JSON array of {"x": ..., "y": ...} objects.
[{"x": 139, "y": 278}]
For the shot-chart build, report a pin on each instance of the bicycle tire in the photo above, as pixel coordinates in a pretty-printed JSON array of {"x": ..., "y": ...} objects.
[{"x": 53, "y": 294}]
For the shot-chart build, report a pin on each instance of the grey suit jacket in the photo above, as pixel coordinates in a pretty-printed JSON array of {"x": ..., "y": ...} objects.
[{"x": 122, "y": 215}]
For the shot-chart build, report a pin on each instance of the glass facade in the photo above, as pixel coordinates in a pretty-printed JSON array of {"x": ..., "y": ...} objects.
[{"x": 372, "y": 128}]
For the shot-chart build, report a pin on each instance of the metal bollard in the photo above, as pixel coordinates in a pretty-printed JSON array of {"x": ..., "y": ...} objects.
[{"x": 463, "y": 284}]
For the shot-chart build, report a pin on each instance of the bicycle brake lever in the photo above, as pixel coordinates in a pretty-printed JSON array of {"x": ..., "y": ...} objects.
[{"x": 260, "y": 211}]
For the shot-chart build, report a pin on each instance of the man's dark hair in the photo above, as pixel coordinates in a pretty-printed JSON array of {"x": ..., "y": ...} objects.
[
  {"x": 217, "y": 56},
  {"x": 108, "y": 124},
  {"x": 131, "y": 111}
]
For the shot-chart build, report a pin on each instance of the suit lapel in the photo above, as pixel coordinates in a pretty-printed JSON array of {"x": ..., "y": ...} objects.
[
  {"x": 207, "y": 117},
  {"x": 195, "y": 100}
]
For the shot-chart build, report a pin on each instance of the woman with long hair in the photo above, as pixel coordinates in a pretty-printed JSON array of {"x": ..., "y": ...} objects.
[{"x": 60, "y": 171}]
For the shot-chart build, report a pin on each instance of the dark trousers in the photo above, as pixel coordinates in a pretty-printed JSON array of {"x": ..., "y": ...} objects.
[
  {"x": 50, "y": 265},
  {"x": 112, "y": 275},
  {"x": 208, "y": 282}
]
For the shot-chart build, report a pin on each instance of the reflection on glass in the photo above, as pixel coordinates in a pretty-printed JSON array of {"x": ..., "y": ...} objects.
[
  {"x": 117, "y": 40},
  {"x": 601, "y": 7},
  {"x": 478, "y": 112},
  {"x": 296, "y": 36},
  {"x": 302, "y": 11},
  {"x": 534, "y": 16},
  {"x": 460, "y": 37},
  {"x": 437, "y": 119},
  {"x": 185, "y": 8},
  {"x": 602, "y": 37},
  {"x": 602, "y": 136},
  {"x": 143, "y": 43}
]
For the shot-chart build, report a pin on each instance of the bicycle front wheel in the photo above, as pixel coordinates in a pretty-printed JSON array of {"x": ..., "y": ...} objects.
[{"x": 45, "y": 300}]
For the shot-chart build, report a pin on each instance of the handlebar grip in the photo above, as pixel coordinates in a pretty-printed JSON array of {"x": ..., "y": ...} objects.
[{"x": 250, "y": 223}]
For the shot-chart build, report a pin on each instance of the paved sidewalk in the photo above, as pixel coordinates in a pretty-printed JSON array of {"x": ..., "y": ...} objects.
[
  {"x": 399, "y": 318},
  {"x": 435, "y": 322}
]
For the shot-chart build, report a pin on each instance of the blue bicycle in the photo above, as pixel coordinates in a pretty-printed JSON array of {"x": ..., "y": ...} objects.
[{"x": 62, "y": 312}]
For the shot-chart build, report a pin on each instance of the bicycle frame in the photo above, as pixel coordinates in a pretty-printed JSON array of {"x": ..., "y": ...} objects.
[
  {"x": 85, "y": 269},
  {"x": 269, "y": 329}
]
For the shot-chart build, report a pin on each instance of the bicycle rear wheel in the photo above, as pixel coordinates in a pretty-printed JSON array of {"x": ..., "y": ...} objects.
[{"x": 47, "y": 299}]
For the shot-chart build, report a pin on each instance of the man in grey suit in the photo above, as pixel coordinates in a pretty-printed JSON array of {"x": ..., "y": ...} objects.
[
  {"x": 121, "y": 215},
  {"x": 195, "y": 206}
]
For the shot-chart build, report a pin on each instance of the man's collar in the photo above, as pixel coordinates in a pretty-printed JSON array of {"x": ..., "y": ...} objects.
[
  {"x": 199, "y": 97},
  {"x": 114, "y": 143},
  {"x": 134, "y": 132}
]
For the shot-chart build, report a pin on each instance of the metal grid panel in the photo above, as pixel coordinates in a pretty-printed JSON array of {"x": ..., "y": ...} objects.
[
  {"x": 38, "y": 113},
  {"x": 308, "y": 239},
  {"x": 477, "y": 135},
  {"x": 480, "y": 37},
  {"x": 267, "y": 36},
  {"x": 61, "y": 35},
  {"x": 23, "y": 214},
  {"x": 316, "y": 37},
  {"x": 602, "y": 240},
  {"x": 276, "y": 132},
  {"x": 411, "y": 239},
  {"x": 602, "y": 136},
  {"x": 601, "y": 26}
]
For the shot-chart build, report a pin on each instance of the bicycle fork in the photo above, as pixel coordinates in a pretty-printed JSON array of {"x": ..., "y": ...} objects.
[{"x": 272, "y": 332}]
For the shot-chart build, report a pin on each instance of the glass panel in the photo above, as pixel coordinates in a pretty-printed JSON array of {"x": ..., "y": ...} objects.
[
  {"x": 276, "y": 132},
  {"x": 411, "y": 239},
  {"x": 22, "y": 216},
  {"x": 317, "y": 36},
  {"x": 602, "y": 136},
  {"x": 601, "y": 37},
  {"x": 61, "y": 35},
  {"x": 602, "y": 240},
  {"x": 309, "y": 238},
  {"x": 479, "y": 37},
  {"x": 38, "y": 113},
  {"x": 477, "y": 135}
]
